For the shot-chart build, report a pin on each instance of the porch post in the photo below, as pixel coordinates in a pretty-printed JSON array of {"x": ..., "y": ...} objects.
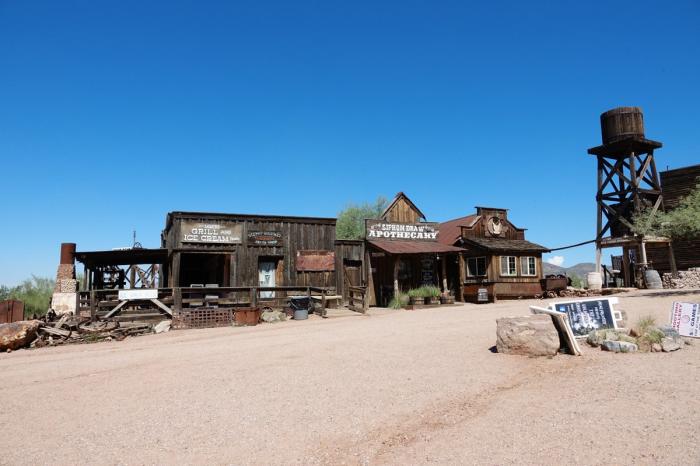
[{"x": 396, "y": 275}]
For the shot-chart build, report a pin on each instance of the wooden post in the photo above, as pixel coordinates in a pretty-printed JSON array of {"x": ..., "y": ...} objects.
[
  {"x": 175, "y": 270},
  {"x": 323, "y": 304},
  {"x": 93, "y": 310},
  {"x": 253, "y": 297},
  {"x": 672, "y": 259},
  {"x": 599, "y": 200},
  {"x": 462, "y": 278},
  {"x": 396, "y": 276},
  {"x": 177, "y": 299},
  {"x": 369, "y": 282},
  {"x": 444, "y": 274}
]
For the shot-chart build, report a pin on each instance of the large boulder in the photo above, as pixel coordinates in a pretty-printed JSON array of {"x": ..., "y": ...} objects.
[
  {"x": 529, "y": 336},
  {"x": 17, "y": 334}
]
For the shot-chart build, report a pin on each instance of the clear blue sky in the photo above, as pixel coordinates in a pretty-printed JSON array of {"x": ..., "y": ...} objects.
[{"x": 114, "y": 113}]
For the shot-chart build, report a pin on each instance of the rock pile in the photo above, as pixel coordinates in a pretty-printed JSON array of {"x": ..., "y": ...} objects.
[
  {"x": 646, "y": 337},
  {"x": 685, "y": 279},
  {"x": 70, "y": 329}
]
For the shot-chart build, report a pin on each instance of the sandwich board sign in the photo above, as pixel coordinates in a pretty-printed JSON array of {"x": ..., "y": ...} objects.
[
  {"x": 685, "y": 319},
  {"x": 587, "y": 315}
]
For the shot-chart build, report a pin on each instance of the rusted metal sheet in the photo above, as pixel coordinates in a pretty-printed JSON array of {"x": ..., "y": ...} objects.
[
  {"x": 11, "y": 310},
  {"x": 315, "y": 261},
  {"x": 413, "y": 247}
]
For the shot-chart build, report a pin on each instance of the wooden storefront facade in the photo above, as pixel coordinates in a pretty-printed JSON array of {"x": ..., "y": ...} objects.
[
  {"x": 496, "y": 256},
  {"x": 226, "y": 250},
  {"x": 402, "y": 252}
]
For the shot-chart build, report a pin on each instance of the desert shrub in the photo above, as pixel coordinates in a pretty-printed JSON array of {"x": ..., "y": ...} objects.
[{"x": 399, "y": 301}]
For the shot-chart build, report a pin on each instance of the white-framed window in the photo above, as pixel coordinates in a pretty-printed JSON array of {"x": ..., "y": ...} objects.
[
  {"x": 509, "y": 266},
  {"x": 528, "y": 266},
  {"x": 476, "y": 266}
]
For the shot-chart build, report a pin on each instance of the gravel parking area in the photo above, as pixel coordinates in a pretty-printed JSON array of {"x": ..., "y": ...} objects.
[{"x": 391, "y": 387}]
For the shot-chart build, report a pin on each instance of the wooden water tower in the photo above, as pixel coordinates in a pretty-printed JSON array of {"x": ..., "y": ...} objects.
[{"x": 627, "y": 182}]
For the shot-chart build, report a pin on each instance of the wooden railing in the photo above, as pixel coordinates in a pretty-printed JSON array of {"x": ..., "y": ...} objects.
[
  {"x": 96, "y": 302},
  {"x": 358, "y": 298}
]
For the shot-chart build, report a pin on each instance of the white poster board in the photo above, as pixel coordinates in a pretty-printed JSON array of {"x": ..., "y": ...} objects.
[
  {"x": 138, "y": 293},
  {"x": 587, "y": 315},
  {"x": 685, "y": 319}
]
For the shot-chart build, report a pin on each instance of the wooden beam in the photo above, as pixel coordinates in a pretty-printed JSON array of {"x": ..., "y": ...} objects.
[
  {"x": 162, "y": 306},
  {"x": 116, "y": 309}
]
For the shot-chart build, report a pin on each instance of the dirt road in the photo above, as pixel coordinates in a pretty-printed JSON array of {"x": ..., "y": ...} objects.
[{"x": 394, "y": 387}]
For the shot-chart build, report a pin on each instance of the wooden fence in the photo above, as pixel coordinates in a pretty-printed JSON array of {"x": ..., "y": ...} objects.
[{"x": 358, "y": 298}]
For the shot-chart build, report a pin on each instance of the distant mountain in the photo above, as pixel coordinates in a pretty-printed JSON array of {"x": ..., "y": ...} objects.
[{"x": 581, "y": 269}]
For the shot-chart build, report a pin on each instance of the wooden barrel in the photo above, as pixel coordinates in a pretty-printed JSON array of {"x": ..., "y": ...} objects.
[
  {"x": 652, "y": 279},
  {"x": 595, "y": 281},
  {"x": 621, "y": 123}
]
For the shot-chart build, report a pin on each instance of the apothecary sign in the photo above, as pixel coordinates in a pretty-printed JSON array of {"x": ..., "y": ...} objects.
[
  {"x": 211, "y": 232},
  {"x": 379, "y": 229},
  {"x": 264, "y": 238}
]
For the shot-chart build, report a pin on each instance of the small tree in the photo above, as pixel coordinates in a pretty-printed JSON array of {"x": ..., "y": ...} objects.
[
  {"x": 351, "y": 220},
  {"x": 681, "y": 222},
  {"x": 34, "y": 292}
]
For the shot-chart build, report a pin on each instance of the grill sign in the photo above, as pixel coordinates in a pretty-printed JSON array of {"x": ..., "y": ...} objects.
[
  {"x": 264, "y": 238},
  {"x": 377, "y": 229},
  {"x": 204, "y": 232}
]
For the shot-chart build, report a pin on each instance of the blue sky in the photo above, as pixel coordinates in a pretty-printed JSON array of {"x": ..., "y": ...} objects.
[{"x": 114, "y": 113}]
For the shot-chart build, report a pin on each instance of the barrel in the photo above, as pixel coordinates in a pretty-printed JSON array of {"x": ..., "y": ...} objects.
[
  {"x": 67, "y": 253},
  {"x": 621, "y": 123},
  {"x": 595, "y": 282},
  {"x": 652, "y": 279},
  {"x": 301, "y": 314}
]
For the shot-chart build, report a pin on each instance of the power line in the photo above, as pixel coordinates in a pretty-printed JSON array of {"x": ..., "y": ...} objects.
[{"x": 573, "y": 245}]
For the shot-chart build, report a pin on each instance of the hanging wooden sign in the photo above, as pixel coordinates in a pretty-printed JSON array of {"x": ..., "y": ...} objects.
[
  {"x": 211, "y": 232},
  {"x": 379, "y": 229},
  {"x": 264, "y": 238}
]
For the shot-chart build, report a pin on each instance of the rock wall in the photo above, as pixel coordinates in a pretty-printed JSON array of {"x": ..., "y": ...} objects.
[{"x": 686, "y": 279}]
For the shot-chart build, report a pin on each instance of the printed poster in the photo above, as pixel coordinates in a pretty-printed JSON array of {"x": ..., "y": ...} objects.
[{"x": 684, "y": 319}]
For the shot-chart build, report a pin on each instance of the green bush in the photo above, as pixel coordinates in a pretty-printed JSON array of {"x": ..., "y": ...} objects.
[
  {"x": 416, "y": 293},
  {"x": 34, "y": 292},
  {"x": 431, "y": 291},
  {"x": 398, "y": 302}
]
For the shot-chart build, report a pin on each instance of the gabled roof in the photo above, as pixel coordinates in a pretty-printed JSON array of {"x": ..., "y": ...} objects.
[
  {"x": 403, "y": 196},
  {"x": 451, "y": 230}
]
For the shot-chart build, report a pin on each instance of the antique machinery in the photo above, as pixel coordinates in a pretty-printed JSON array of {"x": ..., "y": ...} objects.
[{"x": 627, "y": 182}]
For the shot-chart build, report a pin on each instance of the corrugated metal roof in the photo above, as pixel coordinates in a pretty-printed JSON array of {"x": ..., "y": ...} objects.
[
  {"x": 412, "y": 247},
  {"x": 123, "y": 257},
  {"x": 451, "y": 231},
  {"x": 500, "y": 244}
]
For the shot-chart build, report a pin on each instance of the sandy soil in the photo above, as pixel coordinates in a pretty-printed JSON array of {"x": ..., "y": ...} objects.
[{"x": 393, "y": 387}]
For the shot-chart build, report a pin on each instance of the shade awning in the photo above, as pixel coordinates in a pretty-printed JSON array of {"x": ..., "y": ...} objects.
[
  {"x": 122, "y": 257},
  {"x": 413, "y": 247}
]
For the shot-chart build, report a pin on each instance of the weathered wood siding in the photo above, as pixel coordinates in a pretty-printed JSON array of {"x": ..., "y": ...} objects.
[
  {"x": 297, "y": 234},
  {"x": 675, "y": 185}
]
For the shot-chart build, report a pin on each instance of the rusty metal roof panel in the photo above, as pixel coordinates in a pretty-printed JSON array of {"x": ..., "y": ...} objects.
[
  {"x": 451, "y": 230},
  {"x": 500, "y": 244},
  {"x": 413, "y": 247}
]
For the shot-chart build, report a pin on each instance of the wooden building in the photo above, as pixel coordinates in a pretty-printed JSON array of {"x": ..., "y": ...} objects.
[
  {"x": 402, "y": 251},
  {"x": 496, "y": 256},
  {"x": 227, "y": 250},
  {"x": 675, "y": 185}
]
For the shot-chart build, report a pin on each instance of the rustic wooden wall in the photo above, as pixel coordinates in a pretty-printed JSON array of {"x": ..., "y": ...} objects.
[
  {"x": 297, "y": 234},
  {"x": 675, "y": 185}
]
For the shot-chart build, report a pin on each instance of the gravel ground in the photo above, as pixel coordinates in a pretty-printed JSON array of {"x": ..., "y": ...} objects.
[{"x": 393, "y": 387}]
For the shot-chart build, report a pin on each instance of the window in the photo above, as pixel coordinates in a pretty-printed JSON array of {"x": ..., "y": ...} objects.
[
  {"x": 476, "y": 266},
  {"x": 508, "y": 266},
  {"x": 528, "y": 266}
]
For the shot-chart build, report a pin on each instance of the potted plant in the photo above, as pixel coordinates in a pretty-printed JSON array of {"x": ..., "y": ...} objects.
[
  {"x": 416, "y": 296},
  {"x": 400, "y": 301},
  {"x": 431, "y": 294}
]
